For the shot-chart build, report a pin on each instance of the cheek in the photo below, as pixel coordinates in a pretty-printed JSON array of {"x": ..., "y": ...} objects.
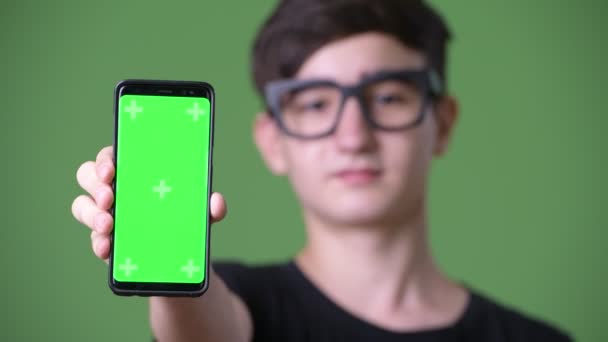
[
  {"x": 407, "y": 156},
  {"x": 304, "y": 163}
]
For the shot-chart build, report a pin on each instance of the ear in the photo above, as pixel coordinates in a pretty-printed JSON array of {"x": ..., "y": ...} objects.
[
  {"x": 268, "y": 139},
  {"x": 446, "y": 113}
]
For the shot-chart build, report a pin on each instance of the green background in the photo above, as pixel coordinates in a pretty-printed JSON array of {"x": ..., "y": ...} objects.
[
  {"x": 516, "y": 204},
  {"x": 161, "y": 234}
]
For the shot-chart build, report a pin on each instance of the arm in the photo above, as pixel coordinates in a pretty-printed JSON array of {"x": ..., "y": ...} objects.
[{"x": 218, "y": 315}]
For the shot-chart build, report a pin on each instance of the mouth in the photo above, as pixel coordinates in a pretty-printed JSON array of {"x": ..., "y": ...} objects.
[{"x": 358, "y": 176}]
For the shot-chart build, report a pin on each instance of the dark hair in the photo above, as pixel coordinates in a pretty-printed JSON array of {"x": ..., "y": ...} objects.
[{"x": 297, "y": 28}]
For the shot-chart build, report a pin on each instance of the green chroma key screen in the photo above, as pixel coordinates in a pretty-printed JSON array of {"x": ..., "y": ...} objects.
[{"x": 161, "y": 189}]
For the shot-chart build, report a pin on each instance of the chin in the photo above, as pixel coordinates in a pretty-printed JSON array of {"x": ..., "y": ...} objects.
[{"x": 358, "y": 211}]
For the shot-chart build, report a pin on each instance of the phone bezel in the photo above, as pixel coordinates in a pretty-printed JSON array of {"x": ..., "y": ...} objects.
[{"x": 164, "y": 88}]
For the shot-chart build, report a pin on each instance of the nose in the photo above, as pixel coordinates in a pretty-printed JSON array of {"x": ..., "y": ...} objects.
[{"x": 353, "y": 133}]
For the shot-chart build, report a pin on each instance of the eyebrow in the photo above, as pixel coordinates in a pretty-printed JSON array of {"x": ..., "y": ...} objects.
[
  {"x": 362, "y": 75},
  {"x": 368, "y": 74}
]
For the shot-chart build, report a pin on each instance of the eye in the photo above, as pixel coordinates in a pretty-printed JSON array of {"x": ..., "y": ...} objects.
[
  {"x": 314, "y": 105},
  {"x": 389, "y": 98},
  {"x": 392, "y": 93},
  {"x": 310, "y": 104},
  {"x": 314, "y": 100}
]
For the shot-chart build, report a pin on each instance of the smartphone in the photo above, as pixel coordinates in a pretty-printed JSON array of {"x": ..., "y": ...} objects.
[{"x": 163, "y": 148}]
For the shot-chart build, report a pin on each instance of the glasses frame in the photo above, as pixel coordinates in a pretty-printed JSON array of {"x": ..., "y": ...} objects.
[{"x": 427, "y": 79}]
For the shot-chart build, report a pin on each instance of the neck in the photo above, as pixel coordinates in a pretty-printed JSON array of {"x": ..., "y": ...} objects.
[{"x": 376, "y": 271}]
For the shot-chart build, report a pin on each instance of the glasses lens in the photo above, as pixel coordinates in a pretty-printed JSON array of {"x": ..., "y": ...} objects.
[
  {"x": 310, "y": 111},
  {"x": 394, "y": 103}
]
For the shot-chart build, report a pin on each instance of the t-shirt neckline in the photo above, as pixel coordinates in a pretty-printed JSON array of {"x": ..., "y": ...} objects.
[{"x": 455, "y": 329}]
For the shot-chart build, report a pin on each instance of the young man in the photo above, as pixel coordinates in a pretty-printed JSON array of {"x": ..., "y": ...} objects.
[{"x": 357, "y": 110}]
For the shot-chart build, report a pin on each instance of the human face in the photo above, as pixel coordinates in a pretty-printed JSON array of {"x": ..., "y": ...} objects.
[{"x": 357, "y": 175}]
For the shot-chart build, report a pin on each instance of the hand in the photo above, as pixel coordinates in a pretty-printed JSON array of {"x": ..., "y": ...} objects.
[{"x": 92, "y": 210}]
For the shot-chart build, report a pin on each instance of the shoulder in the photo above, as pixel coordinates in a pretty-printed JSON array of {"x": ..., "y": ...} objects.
[
  {"x": 504, "y": 320},
  {"x": 240, "y": 275}
]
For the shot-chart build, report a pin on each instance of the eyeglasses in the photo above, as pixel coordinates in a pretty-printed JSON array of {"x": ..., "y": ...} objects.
[{"x": 389, "y": 100}]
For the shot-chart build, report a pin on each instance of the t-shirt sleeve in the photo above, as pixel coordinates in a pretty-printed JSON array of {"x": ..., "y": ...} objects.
[
  {"x": 259, "y": 287},
  {"x": 234, "y": 274},
  {"x": 254, "y": 285}
]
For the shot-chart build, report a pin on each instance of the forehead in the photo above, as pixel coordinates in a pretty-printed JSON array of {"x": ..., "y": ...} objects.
[{"x": 348, "y": 60}]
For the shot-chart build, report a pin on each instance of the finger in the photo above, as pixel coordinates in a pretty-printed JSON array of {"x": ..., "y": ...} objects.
[
  {"x": 104, "y": 196},
  {"x": 218, "y": 207},
  {"x": 86, "y": 176},
  {"x": 88, "y": 180},
  {"x": 104, "y": 164},
  {"x": 87, "y": 213},
  {"x": 101, "y": 245}
]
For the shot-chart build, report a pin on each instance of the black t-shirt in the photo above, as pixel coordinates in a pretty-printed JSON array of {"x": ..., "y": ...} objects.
[{"x": 286, "y": 306}]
